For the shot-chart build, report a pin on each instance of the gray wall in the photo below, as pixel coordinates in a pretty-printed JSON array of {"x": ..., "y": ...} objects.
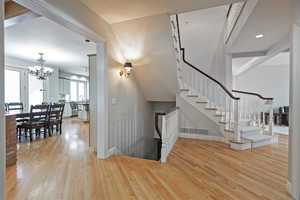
[{"x": 269, "y": 81}]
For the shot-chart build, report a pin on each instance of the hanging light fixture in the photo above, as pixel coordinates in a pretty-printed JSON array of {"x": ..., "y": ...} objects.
[{"x": 41, "y": 72}]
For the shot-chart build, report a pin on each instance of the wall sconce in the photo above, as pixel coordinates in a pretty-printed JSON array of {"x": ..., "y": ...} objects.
[{"x": 127, "y": 69}]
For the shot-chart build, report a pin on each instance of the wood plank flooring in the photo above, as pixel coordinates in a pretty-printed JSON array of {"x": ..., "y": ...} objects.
[{"x": 62, "y": 167}]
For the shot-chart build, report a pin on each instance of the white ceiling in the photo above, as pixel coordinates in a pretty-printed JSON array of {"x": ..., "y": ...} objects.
[
  {"x": 271, "y": 18},
  {"x": 114, "y": 11},
  {"x": 62, "y": 48}
]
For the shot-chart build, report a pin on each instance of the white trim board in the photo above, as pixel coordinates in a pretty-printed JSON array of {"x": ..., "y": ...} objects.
[
  {"x": 201, "y": 137},
  {"x": 2, "y": 118}
]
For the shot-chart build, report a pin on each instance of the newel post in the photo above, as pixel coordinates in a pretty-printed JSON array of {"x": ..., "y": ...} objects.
[
  {"x": 164, "y": 145},
  {"x": 271, "y": 117},
  {"x": 236, "y": 121}
]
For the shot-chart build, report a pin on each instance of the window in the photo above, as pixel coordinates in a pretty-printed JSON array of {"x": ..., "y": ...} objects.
[
  {"x": 77, "y": 91},
  {"x": 73, "y": 91},
  {"x": 12, "y": 86},
  {"x": 36, "y": 94},
  {"x": 81, "y": 91}
]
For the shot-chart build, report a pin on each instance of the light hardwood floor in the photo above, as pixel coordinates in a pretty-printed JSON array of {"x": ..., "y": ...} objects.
[{"x": 62, "y": 167}]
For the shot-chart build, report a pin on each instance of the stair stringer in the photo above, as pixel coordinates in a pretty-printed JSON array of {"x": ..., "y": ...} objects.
[{"x": 193, "y": 114}]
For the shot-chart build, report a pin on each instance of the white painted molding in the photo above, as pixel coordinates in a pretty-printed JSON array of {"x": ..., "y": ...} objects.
[
  {"x": 113, "y": 151},
  {"x": 249, "y": 54},
  {"x": 202, "y": 137},
  {"x": 2, "y": 118},
  {"x": 46, "y": 9}
]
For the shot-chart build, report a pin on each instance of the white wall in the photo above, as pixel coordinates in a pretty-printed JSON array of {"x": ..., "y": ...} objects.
[
  {"x": 131, "y": 124},
  {"x": 146, "y": 42},
  {"x": 269, "y": 81},
  {"x": 201, "y": 32},
  {"x": 51, "y": 85}
]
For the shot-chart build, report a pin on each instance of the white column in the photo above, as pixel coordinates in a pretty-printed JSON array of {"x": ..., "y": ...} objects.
[
  {"x": 93, "y": 103},
  {"x": 2, "y": 124},
  {"x": 98, "y": 91},
  {"x": 102, "y": 100},
  {"x": 294, "y": 136}
]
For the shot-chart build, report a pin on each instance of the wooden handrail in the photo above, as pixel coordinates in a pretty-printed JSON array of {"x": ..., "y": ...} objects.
[
  {"x": 254, "y": 94},
  {"x": 198, "y": 70}
]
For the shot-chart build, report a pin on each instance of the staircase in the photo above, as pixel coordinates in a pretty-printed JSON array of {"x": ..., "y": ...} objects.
[{"x": 239, "y": 117}]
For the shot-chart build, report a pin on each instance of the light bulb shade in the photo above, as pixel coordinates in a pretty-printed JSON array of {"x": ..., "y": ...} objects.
[{"x": 128, "y": 66}]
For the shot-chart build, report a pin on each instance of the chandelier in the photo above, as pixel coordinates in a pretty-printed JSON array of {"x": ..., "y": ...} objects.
[{"x": 41, "y": 72}]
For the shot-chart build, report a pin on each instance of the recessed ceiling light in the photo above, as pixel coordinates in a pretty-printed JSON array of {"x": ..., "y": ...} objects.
[{"x": 259, "y": 36}]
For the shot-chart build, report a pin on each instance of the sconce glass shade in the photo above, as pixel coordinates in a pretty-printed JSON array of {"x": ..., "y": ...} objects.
[{"x": 128, "y": 66}]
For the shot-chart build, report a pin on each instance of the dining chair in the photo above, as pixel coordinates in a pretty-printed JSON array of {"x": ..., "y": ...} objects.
[
  {"x": 39, "y": 119},
  {"x": 5, "y": 107},
  {"x": 55, "y": 116},
  {"x": 74, "y": 108},
  {"x": 21, "y": 118}
]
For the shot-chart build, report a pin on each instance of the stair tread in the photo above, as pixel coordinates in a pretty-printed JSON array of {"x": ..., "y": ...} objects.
[
  {"x": 192, "y": 95},
  {"x": 241, "y": 141},
  {"x": 202, "y": 102},
  {"x": 250, "y": 129},
  {"x": 211, "y": 108},
  {"x": 229, "y": 131},
  {"x": 258, "y": 137}
]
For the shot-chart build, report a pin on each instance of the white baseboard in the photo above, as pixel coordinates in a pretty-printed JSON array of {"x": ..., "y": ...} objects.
[
  {"x": 202, "y": 137},
  {"x": 273, "y": 140},
  {"x": 113, "y": 151}
]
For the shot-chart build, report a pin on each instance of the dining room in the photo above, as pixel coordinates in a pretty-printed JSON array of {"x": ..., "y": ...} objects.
[{"x": 46, "y": 83}]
